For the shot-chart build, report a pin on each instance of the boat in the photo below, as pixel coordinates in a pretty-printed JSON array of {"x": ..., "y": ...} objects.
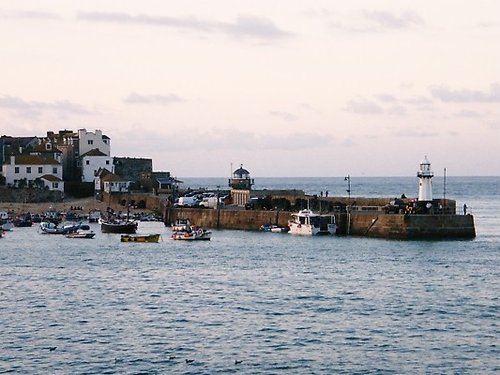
[
  {"x": 23, "y": 221},
  {"x": 181, "y": 225},
  {"x": 192, "y": 235},
  {"x": 140, "y": 237},
  {"x": 79, "y": 234},
  {"x": 308, "y": 223},
  {"x": 183, "y": 229},
  {"x": 272, "y": 228},
  {"x": 94, "y": 215},
  {"x": 119, "y": 226},
  {"x": 7, "y": 226},
  {"x": 47, "y": 227}
]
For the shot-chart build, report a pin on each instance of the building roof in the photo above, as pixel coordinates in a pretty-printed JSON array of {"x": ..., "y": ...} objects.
[
  {"x": 51, "y": 177},
  {"x": 101, "y": 172},
  {"x": 41, "y": 148},
  {"x": 32, "y": 160},
  {"x": 241, "y": 171},
  {"x": 113, "y": 177},
  {"x": 94, "y": 152}
]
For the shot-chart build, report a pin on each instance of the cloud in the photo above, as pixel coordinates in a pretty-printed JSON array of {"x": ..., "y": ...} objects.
[
  {"x": 244, "y": 26},
  {"x": 412, "y": 133},
  {"x": 364, "y": 107},
  {"x": 33, "y": 108},
  {"x": 419, "y": 101},
  {"x": 379, "y": 21},
  {"x": 466, "y": 95},
  {"x": 220, "y": 139},
  {"x": 284, "y": 115},
  {"x": 30, "y": 15},
  {"x": 468, "y": 114},
  {"x": 135, "y": 98},
  {"x": 386, "y": 98},
  {"x": 388, "y": 21},
  {"x": 397, "y": 110},
  {"x": 257, "y": 27}
]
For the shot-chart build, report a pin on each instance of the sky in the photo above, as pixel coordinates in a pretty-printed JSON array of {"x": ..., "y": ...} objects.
[{"x": 286, "y": 88}]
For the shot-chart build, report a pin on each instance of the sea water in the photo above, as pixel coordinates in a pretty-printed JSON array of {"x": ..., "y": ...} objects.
[{"x": 257, "y": 303}]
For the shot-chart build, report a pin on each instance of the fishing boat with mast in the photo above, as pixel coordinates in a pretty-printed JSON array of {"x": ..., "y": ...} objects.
[{"x": 115, "y": 224}]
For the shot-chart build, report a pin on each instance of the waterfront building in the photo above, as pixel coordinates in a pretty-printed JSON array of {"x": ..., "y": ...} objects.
[
  {"x": 26, "y": 170},
  {"x": 94, "y": 160},
  {"x": 241, "y": 185},
  {"x": 93, "y": 140}
]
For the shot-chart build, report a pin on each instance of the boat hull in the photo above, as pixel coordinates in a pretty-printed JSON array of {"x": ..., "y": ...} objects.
[
  {"x": 80, "y": 235},
  {"x": 199, "y": 235},
  {"x": 127, "y": 228},
  {"x": 153, "y": 238}
]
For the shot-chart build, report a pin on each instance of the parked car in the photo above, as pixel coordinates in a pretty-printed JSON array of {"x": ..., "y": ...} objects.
[
  {"x": 187, "y": 202},
  {"x": 209, "y": 202}
]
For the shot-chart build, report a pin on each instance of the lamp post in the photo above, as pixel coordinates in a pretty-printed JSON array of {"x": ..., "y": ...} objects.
[
  {"x": 218, "y": 207},
  {"x": 348, "y": 179}
]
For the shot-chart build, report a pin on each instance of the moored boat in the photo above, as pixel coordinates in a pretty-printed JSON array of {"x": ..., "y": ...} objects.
[
  {"x": 140, "y": 237},
  {"x": 90, "y": 234},
  {"x": 181, "y": 225},
  {"x": 192, "y": 235},
  {"x": 272, "y": 228},
  {"x": 7, "y": 226},
  {"x": 23, "y": 221},
  {"x": 47, "y": 227},
  {"x": 308, "y": 223},
  {"x": 123, "y": 226}
]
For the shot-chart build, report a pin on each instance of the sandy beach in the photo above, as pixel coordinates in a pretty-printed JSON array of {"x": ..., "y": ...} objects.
[{"x": 85, "y": 204}]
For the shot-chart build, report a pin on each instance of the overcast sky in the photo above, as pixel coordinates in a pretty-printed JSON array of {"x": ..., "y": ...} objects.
[{"x": 288, "y": 88}]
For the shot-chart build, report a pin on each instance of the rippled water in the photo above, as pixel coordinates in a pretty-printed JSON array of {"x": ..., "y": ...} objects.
[{"x": 276, "y": 302}]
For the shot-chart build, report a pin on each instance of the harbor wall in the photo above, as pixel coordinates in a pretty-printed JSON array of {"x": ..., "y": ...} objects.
[
  {"x": 400, "y": 226},
  {"x": 365, "y": 224},
  {"x": 228, "y": 219}
]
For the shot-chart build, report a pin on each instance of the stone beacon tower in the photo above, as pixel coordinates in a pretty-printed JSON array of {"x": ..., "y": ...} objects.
[
  {"x": 240, "y": 185},
  {"x": 425, "y": 186}
]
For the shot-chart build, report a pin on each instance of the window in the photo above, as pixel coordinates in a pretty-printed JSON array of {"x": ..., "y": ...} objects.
[
  {"x": 55, "y": 185},
  {"x": 87, "y": 162},
  {"x": 107, "y": 162},
  {"x": 90, "y": 142},
  {"x": 28, "y": 169},
  {"x": 54, "y": 170},
  {"x": 16, "y": 169},
  {"x": 40, "y": 170}
]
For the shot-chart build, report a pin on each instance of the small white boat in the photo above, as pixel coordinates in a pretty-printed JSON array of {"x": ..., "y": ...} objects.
[
  {"x": 47, "y": 227},
  {"x": 7, "y": 226},
  {"x": 79, "y": 234},
  {"x": 308, "y": 223},
  {"x": 272, "y": 228}
]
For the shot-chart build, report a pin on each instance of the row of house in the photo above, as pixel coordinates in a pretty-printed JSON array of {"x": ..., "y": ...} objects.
[{"x": 80, "y": 156}]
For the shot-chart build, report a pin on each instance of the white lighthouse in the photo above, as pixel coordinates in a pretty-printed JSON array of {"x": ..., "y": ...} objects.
[{"x": 425, "y": 186}]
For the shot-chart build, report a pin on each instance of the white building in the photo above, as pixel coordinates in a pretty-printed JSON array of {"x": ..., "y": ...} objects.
[
  {"x": 89, "y": 141},
  {"x": 94, "y": 160},
  {"x": 30, "y": 168},
  {"x": 53, "y": 183},
  {"x": 115, "y": 184}
]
